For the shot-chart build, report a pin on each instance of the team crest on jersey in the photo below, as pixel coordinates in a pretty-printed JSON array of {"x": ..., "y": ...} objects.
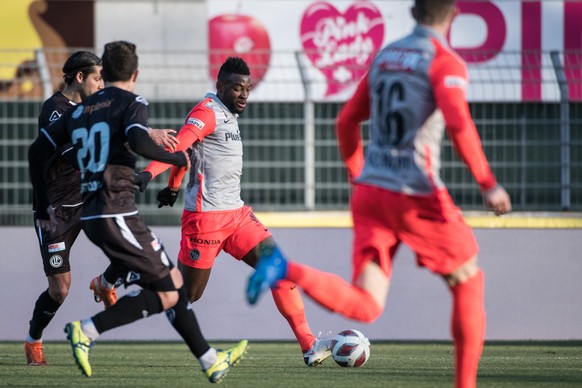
[
  {"x": 142, "y": 100},
  {"x": 78, "y": 112},
  {"x": 54, "y": 116},
  {"x": 197, "y": 123},
  {"x": 57, "y": 247},
  {"x": 56, "y": 261}
]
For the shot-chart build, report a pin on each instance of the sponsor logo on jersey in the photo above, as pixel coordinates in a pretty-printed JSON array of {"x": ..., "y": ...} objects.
[
  {"x": 57, "y": 247},
  {"x": 232, "y": 136},
  {"x": 100, "y": 105},
  {"x": 455, "y": 81},
  {"x": 78, "y": 112},
  {"x": 197, "y": 123},
  {"x": 142, "y": 100},
  {"x": 54, "y": 116},
  {"x": 400, "y": 59},
  {"x": 194, "y": 254},
  {"x": 204, "y": 241},
  {"x": 56, "y": 261}
]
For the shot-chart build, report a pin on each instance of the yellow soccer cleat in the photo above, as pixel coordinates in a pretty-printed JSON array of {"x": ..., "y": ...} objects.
[
  {"x": 81, "y": 346},
  {"x": 224, "y": 360}
]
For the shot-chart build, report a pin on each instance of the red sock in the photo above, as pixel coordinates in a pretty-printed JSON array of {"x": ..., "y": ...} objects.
[
  {"x": 334, "y": 293},
  {"x": 468, "y": 327},
  {"x": 290, "y": 305}
]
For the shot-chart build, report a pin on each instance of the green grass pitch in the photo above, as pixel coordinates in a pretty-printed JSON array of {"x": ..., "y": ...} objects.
[{"x": 279, "y": 364}]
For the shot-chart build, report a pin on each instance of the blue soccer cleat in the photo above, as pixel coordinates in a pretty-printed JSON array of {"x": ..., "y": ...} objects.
[{"x": 271, "y": 268}]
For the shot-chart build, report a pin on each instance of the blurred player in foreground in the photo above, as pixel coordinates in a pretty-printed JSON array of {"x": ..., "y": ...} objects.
[
  {"x": 104, "y": 130},
  {"x": 215, "y": 217},
  {"x": 82, "y": 77},
  {"x": 413, "y": 88}
]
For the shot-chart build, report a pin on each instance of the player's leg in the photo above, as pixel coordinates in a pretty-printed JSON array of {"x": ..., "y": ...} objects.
[
  {"x": 287, "y": 299},
  {"x": 130, "y": 244},
  {"x": 55, "y": 250},
  {"x": 364, "y": 299},
  {"x": 445, "y": 244},
  {"x": 104, "y": 286},
  {"x": 290, "y": 304},
  {"x": 195, "y": 280},
  {"x": 468, "y": 321}
]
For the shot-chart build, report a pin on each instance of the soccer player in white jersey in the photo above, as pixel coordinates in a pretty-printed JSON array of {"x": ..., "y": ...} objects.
[{"x": 215, "y": 217}]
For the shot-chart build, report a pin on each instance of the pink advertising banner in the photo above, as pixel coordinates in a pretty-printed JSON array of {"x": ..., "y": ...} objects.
[{"x": 330, "y": 43}]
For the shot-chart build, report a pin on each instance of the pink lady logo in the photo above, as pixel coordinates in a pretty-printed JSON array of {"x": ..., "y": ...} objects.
[{"x": 341, "y": 45}]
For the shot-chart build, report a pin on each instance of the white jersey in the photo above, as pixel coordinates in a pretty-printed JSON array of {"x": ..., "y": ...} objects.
[{"x": 217, "y": 158}]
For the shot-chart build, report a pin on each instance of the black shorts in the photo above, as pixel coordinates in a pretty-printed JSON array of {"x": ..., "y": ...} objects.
[
  {"x": 55, "y": 247},
  {"x": 131, "y": 247}
]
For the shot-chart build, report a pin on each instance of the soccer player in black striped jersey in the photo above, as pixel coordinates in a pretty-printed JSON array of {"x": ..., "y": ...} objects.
[
  {"x": 82, "y": 77},
  {"x": 106, "y": 131}
]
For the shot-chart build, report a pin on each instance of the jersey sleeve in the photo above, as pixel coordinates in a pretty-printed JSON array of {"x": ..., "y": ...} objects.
[
  {"x": 356, "y": 110},
  {"x": 40, "y": 151},
  {"x": 449, "y": 79},
  {"x": 136, "y": 115},
  {"x": 201, "y": 122}
]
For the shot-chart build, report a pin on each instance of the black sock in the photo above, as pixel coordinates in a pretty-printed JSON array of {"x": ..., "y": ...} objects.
[
  {"x": 184, "y": 321},
  {"x": 128, "y": 309},
  {"x": 113, "y": 275},
  {"x": 44, "y": 311}
]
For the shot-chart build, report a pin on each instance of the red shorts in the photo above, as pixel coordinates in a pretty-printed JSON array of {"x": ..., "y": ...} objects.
[
  {"x": 204, "y": 234},
  {"x": 432, "y": 226}
]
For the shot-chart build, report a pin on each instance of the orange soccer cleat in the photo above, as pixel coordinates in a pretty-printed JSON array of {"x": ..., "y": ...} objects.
[
  {"x": 35, "y": 354},
  {"x": 102, "y": 294}
]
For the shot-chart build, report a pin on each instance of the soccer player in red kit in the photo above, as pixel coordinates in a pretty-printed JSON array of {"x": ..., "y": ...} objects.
[
  {"x": 215, "y": 217},
  {"x": 413, "y": 89}
]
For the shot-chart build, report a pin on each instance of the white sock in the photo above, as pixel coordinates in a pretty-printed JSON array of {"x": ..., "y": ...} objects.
[
  {"x": 89, "y": 329},
  {"x": 31, "y": 340},
  {"x": 106, "y": 284},
  {"x": 208, "y": 358}
]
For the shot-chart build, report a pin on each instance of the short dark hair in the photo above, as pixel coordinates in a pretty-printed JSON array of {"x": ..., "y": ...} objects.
[
  {"x": 432, "y": 11},
  {"x": 119, "y": 61},
  {"x": 80, "y": 61},
  {"x": 233, "y": 65}
]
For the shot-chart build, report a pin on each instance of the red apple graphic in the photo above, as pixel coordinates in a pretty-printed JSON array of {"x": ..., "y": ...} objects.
[{"x": 242, "y": 36}]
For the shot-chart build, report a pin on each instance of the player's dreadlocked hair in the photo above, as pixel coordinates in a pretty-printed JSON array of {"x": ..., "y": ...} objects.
[
  {"x": 233, "y": 65},
  {"x": 432, "y": 11},
  {"x": 81, "y": 61},
  {"x": 119, "y": 61}
]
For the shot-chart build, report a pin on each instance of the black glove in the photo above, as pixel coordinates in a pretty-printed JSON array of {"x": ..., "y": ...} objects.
[
  {"x": 141, "y": 180},
  {"x": 167, "y": 197}
]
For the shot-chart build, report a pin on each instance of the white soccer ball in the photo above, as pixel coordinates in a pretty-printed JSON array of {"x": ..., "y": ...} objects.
[{"x": 350, "y": 348}]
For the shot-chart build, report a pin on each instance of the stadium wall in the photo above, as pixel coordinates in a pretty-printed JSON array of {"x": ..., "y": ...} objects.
[{"x": 532, "y": 287}]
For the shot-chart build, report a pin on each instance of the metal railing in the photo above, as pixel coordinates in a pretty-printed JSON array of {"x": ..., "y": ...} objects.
[{"x": 291, "y": 156}]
